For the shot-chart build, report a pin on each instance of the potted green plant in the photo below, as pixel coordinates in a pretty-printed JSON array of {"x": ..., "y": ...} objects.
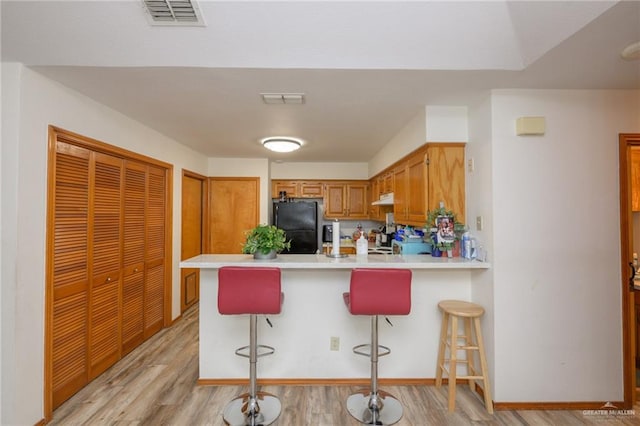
[
  {"x": 265, "y": 242},
  {"x": 444, "y": 230}
]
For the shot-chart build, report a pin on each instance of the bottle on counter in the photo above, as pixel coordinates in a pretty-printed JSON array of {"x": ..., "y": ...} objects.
[
  {"x": 466, "y": 246},
  {"x": 362, "y": 245}
]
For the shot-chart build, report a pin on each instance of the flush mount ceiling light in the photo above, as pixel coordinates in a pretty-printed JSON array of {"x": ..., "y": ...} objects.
[
  {"x": 631, "y": 52},
  {"x": 281, "y": 143}
]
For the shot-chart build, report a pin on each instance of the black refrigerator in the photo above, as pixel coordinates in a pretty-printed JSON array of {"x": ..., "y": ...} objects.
[{"x": 299, "y": 220}]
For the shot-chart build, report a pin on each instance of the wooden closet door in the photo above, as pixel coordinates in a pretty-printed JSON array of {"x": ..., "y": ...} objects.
[
  {"x": 154, "y": 256},
  {"x": 106, "y": 212},
  {"x": 70, "y": 275},
  {"x": 135, "y": 181}
]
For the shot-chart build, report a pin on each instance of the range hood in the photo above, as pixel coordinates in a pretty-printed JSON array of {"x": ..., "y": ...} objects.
[{"x": 385, "y": 200}]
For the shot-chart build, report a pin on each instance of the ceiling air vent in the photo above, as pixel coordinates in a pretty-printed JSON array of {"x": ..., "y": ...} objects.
[{"x": 174, "y": 13}]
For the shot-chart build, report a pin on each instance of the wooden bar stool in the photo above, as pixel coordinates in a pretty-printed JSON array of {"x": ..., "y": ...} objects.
[
  {"x": 254, "y": 291},
  {"x": 376, "y": 292},
  {"x": 449, "y": 338}
]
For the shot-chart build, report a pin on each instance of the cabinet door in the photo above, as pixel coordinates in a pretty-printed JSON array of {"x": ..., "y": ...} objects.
[
  {"x": 446, "y": 178},
  {"x": 135, "y": 179},
  {"x": 154, "y": 251},
  {"x": 70, "y": 273},
  {"x": 310, "y": 189},
  {"x": 400, "y": 194},
  {"x": 104, "y": 338},
  {"x": 334, "y": 200},
  {"x": 388, "y": 183},
  {"x": 290, "y": 187},
  {"x": 417, "y": 188},
  {"x": 374, "y": 211},
  {"x": 635, "y": 179},
  {"x": 356, "y": 197}
]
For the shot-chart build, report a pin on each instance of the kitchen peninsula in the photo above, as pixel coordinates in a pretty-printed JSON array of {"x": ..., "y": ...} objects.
[{"x": 313, "y": 313}]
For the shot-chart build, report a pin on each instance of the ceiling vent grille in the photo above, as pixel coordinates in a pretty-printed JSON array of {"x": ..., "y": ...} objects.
[{"x": 174, "y": 13}]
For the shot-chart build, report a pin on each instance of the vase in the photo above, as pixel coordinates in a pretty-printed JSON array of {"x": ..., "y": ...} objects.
[
  {"x": 435, "y": 252},
  {"x": 262, "y": 256},
  {"x": 449, "y": 253}
]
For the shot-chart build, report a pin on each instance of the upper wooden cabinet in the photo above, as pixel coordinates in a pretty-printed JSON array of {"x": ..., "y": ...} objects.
[
  {"x": 346, "y": 200},
  {"x": 446, "y": 178},
  {"x": 635, "y": 179},
  {"x": 297, "y": 188},
  {"x": 426, "y": 177}
]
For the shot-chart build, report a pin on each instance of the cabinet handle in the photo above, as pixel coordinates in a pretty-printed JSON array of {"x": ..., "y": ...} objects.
[
  {"x": 108, "y": 279},
  {"x": 135, "y": 269}
]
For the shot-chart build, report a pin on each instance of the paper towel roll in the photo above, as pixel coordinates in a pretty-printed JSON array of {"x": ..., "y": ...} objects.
[{"x": 335, "y": 249}]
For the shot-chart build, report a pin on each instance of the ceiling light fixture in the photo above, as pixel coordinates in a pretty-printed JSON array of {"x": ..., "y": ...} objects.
[
  {"x": 281, "y": 143},
  {"x": 631, "y": 52}
]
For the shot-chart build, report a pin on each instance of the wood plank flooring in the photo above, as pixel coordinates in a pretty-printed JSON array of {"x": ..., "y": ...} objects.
[{"x": 156, "y": 385}]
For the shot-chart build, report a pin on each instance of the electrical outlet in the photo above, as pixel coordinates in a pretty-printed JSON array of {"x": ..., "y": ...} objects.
[
  {"x": 479, "y": 223},
  {"x": 471, "y": 165},
  {"x": 335, "y": 344}
]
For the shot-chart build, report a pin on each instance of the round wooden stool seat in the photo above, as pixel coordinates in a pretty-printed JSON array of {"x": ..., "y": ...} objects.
[{"x": 461, "y": 309}]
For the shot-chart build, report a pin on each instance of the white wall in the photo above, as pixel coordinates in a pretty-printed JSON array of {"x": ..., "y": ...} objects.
[
  {"x": 556, "y": 247},
  {"x": 446, "y": 124},
  {"x": 412, "y": 136},
  {"x": 286, "y": 170},
  {"x": 479, "y": 202},
  {"x": 36, "y": 103},
  {"x": 9, "y": 213}
]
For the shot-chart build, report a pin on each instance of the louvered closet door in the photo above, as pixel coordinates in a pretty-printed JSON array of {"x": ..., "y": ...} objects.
[
  {"x": 104, "y": 339},
  {"x": 133, "y": 257},
  {"x": 154, "y": 257},
  {"x": 70, "y": 272}
]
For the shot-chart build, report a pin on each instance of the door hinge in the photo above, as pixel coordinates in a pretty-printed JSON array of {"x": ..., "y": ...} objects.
[{"x": 426, "y": 161}]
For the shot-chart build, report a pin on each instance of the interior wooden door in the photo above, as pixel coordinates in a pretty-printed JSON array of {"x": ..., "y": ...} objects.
[
  {"x": 233, "y": 210},
  {"x": 135, "y": 182},
  {"x": 154, "y": 251},
  {"x": 105, "y": 237},
  {"x": 628, "y": 144},
  {"x": 192, "y": 243},
  {"x": 68, "y": 268}
]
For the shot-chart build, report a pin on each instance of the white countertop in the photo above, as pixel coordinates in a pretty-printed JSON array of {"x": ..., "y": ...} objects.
[{"x": 321, "y": 261}]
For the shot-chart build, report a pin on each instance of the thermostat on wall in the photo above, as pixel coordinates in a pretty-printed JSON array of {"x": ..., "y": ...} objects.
[{"x": 530, "y": 126}]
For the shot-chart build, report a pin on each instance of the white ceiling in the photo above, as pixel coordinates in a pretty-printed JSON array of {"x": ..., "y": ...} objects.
[{"x": 366, "y": 67}]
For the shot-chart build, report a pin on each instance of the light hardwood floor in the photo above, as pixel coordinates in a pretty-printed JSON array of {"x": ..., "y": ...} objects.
[{"x": 156, "y": 385}]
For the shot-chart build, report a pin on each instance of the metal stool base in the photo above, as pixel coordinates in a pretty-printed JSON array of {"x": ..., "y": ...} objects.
[
  {"x": 389, "y": 408},
  {"x": 236, "y": 412}
]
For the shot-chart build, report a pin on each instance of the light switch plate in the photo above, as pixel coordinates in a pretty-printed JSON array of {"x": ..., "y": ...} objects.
[{"x": 479, "y": 223}]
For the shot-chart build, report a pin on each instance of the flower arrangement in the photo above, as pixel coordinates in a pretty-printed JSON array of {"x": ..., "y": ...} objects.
[{"x": 444, "y": 228}]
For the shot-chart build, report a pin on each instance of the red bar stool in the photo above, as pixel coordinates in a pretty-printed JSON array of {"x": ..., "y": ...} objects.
[
  {"x": 377, "y": 292},
  {"x": 253, "y": 291}
]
